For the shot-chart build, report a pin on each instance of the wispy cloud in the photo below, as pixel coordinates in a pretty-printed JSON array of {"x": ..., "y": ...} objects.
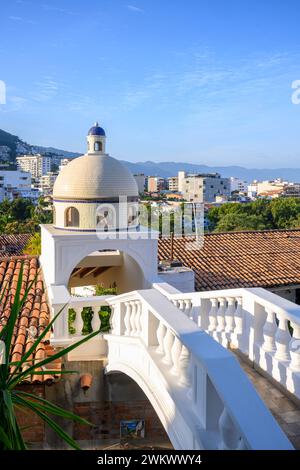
[
  {"x": 21, "y": 19},
  {"x": 45, "y": 90},
  {"x": 135, "y": 8}
]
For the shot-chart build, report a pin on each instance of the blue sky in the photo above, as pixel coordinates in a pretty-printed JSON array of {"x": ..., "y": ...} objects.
[{"x": 205, "y": 81}]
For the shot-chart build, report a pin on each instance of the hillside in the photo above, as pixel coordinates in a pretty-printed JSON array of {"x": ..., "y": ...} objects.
[{"x": 10, "y": 145}]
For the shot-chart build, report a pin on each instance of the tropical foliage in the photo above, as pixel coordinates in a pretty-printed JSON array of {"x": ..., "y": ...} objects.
[
  {"x": 12, "y": 374},
  {"x": 263, "y": 214},
  {"x": 22, "y": 216}
]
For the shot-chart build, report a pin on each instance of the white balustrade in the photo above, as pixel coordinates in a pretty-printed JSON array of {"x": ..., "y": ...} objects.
[
  {"x": 178, "y": 363},
  {"x": 261, "y": 324}
]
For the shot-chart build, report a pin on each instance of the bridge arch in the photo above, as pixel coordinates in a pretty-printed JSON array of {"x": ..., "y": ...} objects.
[{"x": 165, "y": 414}]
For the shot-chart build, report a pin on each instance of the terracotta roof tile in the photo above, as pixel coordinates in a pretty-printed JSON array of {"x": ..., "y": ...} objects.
[
  {"x": 34, "y": 316},
  {"x": 240, "y": 259}
]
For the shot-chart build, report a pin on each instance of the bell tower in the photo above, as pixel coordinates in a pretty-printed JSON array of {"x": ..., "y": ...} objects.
[{"x": 96, "y": 140}]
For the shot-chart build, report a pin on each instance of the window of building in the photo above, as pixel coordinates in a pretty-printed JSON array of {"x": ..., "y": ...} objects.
[
  {"x": 98, "y": 146},
  {"x": 71, "y": 217}
]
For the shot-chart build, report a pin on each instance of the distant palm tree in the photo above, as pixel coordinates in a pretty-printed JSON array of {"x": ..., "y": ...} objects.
[{"x": 33, "y": 247}]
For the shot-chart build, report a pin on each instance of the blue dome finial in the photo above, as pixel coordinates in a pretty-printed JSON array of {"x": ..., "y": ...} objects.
[{"x": 96, "y": 130}]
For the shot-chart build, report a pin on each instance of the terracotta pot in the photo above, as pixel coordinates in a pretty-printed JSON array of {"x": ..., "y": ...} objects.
[{"x": 86, "y": 381}]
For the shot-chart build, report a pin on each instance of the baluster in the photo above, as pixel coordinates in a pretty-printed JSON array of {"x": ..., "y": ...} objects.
[
  {"x": 168, "y": 343},
  {"x": 138, "y": 326},
  {"x": 78, "y": 322},
  {"x": 282, "y": 339},
  {"x": 175, "y": 354},
  {"x": 212, "y": 315},
  {"x": 220, "y": 315},
  {"x": 269, "y": 331},
  {"x": 181, "y": 305},
  {"x": 160, "y": 334},
  {"x": 230, "y": 436},
  {"x": 229, "y": 319},
  {"x": 112, "y": 319},
  {"x": 185, "y": 368},
  {"x": 295, "y": 347},
  {"x": 96, "y": 321},
  {"x": 238, "y": 317},
  {"x": 176, "y": 303},
  {"x": 132, "y": 318},
  {"x": 188, "y": 308},
  {"x": 127, "y": 318}
]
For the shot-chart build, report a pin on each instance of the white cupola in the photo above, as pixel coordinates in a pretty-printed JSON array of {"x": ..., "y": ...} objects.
[{"x": 95, "y": 191}]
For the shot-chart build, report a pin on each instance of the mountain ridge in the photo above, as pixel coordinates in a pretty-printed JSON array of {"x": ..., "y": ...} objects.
[{"x": 11, "y": 145}]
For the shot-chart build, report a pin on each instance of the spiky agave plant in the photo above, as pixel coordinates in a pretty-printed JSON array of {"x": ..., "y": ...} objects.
[{"x": 13, "y": 373}]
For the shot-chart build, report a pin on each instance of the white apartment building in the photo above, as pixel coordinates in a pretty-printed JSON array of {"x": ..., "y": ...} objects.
[
  {"x": 140, "y": 181},
  {"x": 237, "y": 184},
  {"x": 47, "y": 182},
  {"x": 38, "y": 165},
  {"x": 173, "y": 183},
  {"x": 203, "y": 187},
  {"x": 15, "y": 184}
]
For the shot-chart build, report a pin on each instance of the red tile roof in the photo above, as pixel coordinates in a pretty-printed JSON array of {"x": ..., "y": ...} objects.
[
  {"x": 241, "y": 259},
  {"x": 35, "y": 313}
]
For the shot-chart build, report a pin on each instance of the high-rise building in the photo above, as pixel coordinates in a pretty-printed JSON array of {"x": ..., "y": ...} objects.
[
  {"x": 156, "y": 184},
  {"x": 47, "y": 182},
  {"x": 173, "y": 183},
  {"x": 38, "y": 165},
  {"x": 204, "y": 187},
  {"x": 15, "y": 184}
]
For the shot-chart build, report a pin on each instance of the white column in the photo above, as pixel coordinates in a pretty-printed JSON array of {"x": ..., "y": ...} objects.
[
  {"x": 127, "y": 318},
  {"x": 229, "y": 318},
  {"x": 78, "y": 322},
  {"x": 282, "y": 340},
  {"x": 212, "y": 316},
  {"x": 175, "y": 353},
  {"x": 160, "y": 333},
  {"x": 96, "y": 321},
  {"x": 269, "y": 331},
  {"x": 168, "y": 343}
]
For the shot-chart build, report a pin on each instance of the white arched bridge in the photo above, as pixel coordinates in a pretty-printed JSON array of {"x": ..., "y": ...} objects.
[{"x": 174, "y": 346}]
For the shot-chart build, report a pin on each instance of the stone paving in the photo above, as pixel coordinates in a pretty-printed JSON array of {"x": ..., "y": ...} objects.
[{"x": 286, "y": 412}]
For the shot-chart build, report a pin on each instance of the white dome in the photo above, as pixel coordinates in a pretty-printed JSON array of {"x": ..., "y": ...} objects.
[{"x": 94, "y": 177}]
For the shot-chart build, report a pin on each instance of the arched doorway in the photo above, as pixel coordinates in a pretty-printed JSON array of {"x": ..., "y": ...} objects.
[{"x": 111, "y": 269}]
